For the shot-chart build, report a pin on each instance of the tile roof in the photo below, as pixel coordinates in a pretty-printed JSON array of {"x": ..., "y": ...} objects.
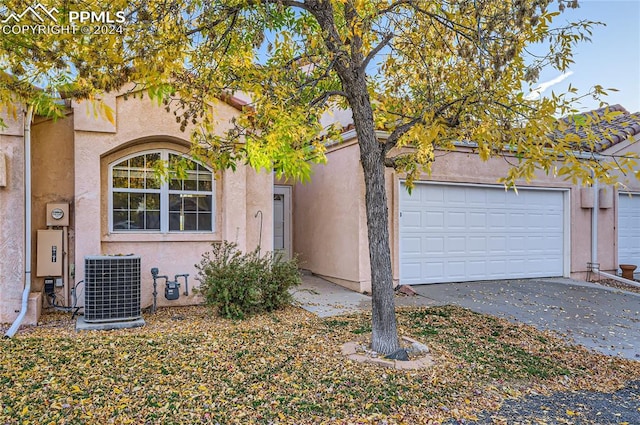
[{"x": 604, "y": 132}]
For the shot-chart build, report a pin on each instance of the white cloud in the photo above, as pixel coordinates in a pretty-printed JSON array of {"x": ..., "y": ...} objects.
[{"x": 537, "y": 92}]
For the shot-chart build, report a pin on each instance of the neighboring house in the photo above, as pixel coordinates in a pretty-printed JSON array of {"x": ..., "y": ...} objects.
[
  {"x": 103, "y": 171},
  {"x": 460, "y": 225}
]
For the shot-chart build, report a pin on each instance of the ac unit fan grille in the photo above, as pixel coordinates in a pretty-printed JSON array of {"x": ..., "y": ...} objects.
[{"x": 112, "y": 288}]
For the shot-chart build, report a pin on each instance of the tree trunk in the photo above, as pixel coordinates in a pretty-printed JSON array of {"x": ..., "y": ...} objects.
[
  {"x": 348, "y": 65},
  {"x": 384, "y": 331}
]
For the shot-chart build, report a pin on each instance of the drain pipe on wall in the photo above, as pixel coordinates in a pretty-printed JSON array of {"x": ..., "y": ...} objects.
[
  {"x": 27, "y": 224},
  {"x": 594, "y": 223}
]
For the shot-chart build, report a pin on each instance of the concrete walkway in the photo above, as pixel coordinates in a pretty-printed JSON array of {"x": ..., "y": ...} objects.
[{"x": 600, "y": 318}]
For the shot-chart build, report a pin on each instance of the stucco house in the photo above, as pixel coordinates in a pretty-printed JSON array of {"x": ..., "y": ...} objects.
[
  {"x": 92, "y": 185},
  {"x": 92, "y": 190},
  {"x": 460, "y": 225}
]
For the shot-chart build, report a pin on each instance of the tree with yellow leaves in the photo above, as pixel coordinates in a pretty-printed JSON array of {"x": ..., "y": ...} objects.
[{"x": 428, "y": 73}]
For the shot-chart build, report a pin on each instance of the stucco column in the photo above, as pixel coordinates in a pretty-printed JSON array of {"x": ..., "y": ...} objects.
[
  {"x": 234, "y": 206},
  {"x": 86, "y": 203},
  {"x": 12, "y": 211},
  {"x": 259, "y": 198}
]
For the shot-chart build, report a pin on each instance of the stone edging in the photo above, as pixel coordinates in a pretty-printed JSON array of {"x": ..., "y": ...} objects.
[{"x": 350, "y": 350}]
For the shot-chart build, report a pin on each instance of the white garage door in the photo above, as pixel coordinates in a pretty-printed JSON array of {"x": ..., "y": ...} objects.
[
  {"x": 456, "y": 233},
  {"x": 629, "y": 229}
]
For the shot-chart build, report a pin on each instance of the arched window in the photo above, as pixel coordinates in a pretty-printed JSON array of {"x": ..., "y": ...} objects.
[{"x": 142, "y": 202}]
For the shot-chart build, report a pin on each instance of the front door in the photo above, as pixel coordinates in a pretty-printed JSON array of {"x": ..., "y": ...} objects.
[{"x": 282, "y": 220}]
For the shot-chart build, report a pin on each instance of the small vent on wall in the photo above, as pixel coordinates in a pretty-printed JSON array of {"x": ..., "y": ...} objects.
[{"x": 112, "y": 288}]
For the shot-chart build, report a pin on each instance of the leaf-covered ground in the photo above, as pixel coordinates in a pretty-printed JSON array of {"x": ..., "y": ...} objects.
[{"x": 187, "y": 366}]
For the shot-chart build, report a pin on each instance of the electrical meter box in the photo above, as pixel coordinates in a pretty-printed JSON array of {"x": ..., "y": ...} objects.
[
  {"x": 57, "y": 214},
  {"x": 49, "y": 253}
]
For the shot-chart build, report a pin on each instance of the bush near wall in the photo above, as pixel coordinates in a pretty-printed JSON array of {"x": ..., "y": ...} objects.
[{"x": 239, "y": 284}]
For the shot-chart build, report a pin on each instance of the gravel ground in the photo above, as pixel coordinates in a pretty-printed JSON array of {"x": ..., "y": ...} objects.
[
  {"x": 585, "y": 407},
  {"x": 618, "y": 285}
]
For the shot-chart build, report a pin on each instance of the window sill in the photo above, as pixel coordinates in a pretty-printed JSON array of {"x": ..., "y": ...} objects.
[{"x": 161, "y": 237}]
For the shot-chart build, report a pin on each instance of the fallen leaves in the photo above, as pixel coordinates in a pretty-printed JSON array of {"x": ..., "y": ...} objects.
[{"x": 283, "y": 367}]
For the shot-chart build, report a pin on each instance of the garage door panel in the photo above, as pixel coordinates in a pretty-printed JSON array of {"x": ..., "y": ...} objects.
[
  {"x": 497, "y": 220},
  {"x": 412, "y": 219},
  {"x": 477, "y": 268},
  {"x": 412, "y": 245},
  {"x": 516, "y": 244},
  {"x": 435, "y": 269},
  {"x": 413, "y": 270},
  {"x": 456, "y": 220},
  {"x": 517, "y": 221},
  {"x": 497, "y": 245},
  {"x": 477, "y": 245},
  {"x": 456, "y": 269},
  {"x": 455, "y": 197},
  {"x": 629, "y": 229},
  {"x": 496, "y": 268},
  {"x": 477, "y": 220},
  {"x": 477, "y": 233},
  {"x": 434, "y": 219},
  {"x": 536, "y": 244},
  {"x": 475, "y": 198},
  {"x": 433, "y": 245},
  {"x": 456, "y": 245}
]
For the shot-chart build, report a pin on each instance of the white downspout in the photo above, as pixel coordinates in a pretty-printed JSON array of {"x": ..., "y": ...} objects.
[
  {"x": 594, "y": 226},
  {"x": 27, "y": 223}
]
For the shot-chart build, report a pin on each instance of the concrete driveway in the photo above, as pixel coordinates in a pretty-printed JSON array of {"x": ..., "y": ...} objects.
[{"x": 600, "y": 318}]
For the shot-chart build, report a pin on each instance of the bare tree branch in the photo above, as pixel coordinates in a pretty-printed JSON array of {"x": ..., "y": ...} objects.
[
  {"x": 326, "y": 95},
  {"x": 384, "y": 42}
]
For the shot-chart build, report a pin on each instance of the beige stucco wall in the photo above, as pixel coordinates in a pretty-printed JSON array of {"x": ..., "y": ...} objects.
[
  {"x": 12, "y": 267},
  {"x": 330, "y": 229},
  {"x": 143, "y": 125},
  {"x": 328, "y": 225},
  {"x": 71, "y": 158},
  {"x": 52, "y": 178}
]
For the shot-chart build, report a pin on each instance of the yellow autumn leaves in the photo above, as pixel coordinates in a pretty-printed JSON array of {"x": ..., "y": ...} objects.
[{"x": 188, "y": 366}]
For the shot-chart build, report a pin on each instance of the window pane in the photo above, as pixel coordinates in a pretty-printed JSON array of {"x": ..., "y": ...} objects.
[
  {"x": 152, "y": 158},
  {"x": 120, "y": 201},
  {"x": 204, "y": 203},
  {"x": 175, "y": 203},
  {"x": 204, "y": 221},
  {"x": 120, "y": 220},
  {"x": 136, "y": 179},
  {"x": 190, "y": 203},
  {"x": 137, "y": 194},
  {"x": 190, "y": 222},
  {"x": 174, "y": 221},
  {"x": 175, "y": 184},
  {"x": 123, "y": 164},
  {"x": 204, "y": 183},
  {"x": 152, "y": 220},
  {"x": 153, "y": 182},
  {"x": 191, "y": 182},
  {"x": 153, "y": 201},
  {"x": 137, "y": 162},
  {"x": 120, "y": 178},
  {"x": 136, "y": 220},
  {"x": 137, "y": 201}
]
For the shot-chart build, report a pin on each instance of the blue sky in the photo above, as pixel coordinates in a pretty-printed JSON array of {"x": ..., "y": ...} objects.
[{"x": 611, "y": 59}]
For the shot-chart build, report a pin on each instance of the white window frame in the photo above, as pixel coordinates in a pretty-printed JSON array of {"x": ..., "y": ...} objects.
[{"x": 164, "y": 196}]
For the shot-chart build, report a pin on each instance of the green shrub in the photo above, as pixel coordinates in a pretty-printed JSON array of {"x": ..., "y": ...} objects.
[{"x": 240, "y": 284}]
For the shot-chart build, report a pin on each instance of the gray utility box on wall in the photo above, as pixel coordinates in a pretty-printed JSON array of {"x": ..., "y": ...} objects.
[{"x": 112, "y": 288}]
